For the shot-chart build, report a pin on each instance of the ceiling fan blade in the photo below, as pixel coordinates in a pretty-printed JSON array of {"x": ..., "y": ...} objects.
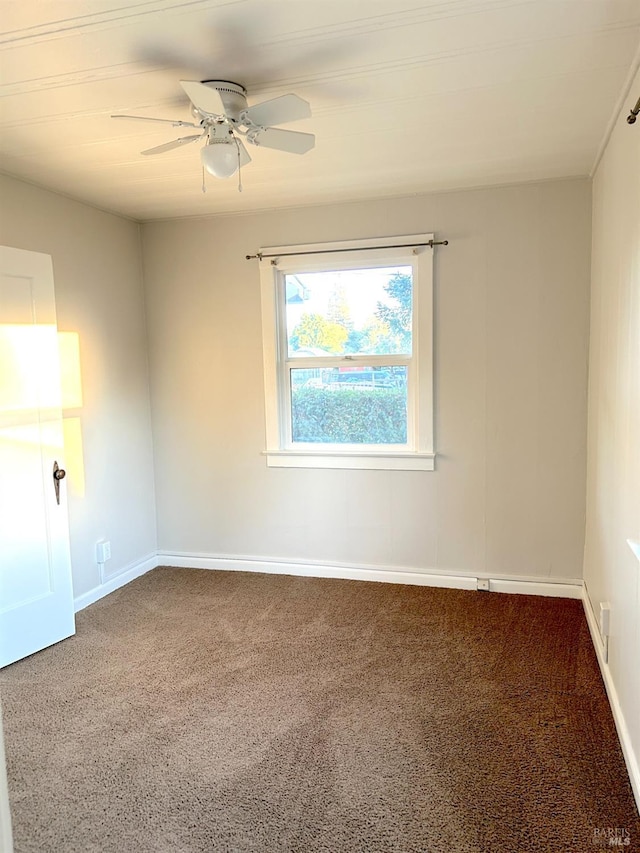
[
  {"x": 283, "y": 140},
  {"x": 175, "y": 143},
  {"x": 245, "y": 159},
  {"x": 174, "y": 123},
  {"x": 279, "y": 111},
  {"x": 203, "y": 97}
]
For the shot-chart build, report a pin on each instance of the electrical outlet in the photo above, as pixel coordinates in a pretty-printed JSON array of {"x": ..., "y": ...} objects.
[
  {"x": 103, "y": 552},
  {"x": 482, "y": 584}
]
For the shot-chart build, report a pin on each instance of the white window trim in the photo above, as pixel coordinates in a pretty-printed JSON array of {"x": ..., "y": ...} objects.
[{"x": 420, "y": 431}]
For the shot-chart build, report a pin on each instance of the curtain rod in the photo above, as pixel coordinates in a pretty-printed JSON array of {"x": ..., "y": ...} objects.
[{"x": 430, "y": 243}]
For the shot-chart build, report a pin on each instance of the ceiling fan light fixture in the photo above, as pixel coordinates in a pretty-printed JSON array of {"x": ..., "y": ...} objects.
[{"x": 220, "y": 157}]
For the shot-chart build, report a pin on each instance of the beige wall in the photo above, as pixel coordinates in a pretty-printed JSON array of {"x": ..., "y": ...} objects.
[
  {"x": 512, "y": 302},
  {"x": 611, "y": 571},
  {"x": 98, "y": 281}
]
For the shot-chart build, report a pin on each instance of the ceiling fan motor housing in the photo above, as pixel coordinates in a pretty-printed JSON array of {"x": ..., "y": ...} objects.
[{"x": 234, "y": 97}]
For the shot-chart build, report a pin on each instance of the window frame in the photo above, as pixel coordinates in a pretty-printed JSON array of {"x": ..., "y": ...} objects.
[{"x": 418, "y": 453}]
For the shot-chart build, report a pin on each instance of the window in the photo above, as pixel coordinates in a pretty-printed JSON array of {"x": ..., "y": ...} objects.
[{"x": 347, "y": 337}]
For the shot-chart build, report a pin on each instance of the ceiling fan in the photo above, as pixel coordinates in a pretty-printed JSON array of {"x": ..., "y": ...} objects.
[{"x": 224, "y": 119}]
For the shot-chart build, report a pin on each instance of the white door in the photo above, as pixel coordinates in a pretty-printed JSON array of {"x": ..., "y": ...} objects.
[{"x": 36, "y": 597}]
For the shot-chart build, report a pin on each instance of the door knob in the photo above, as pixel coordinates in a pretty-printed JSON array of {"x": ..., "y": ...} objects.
[{"x": 58, "y": 474}]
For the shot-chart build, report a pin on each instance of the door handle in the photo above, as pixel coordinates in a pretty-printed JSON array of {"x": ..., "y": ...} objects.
[{"x": 58, "y": 474}]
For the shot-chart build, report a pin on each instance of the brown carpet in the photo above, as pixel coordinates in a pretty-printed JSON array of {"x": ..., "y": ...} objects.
[{"x": 218, "y": 711}]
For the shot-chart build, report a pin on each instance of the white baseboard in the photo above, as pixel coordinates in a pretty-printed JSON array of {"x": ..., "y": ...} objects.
[
  {"x": 563, "y": 588},
  {"x": 124, "y": 576},
  {"x": 552, "y": 589},
  {"x": 630, "y": 757}
]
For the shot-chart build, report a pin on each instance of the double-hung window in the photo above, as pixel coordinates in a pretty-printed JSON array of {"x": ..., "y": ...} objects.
[{"x": 347, "y": 339}]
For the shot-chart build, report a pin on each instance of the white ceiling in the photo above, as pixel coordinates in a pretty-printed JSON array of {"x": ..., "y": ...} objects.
[{"x": 407, "y": 96}]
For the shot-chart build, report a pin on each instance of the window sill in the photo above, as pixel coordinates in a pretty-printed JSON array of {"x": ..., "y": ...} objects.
[{"x": 372, "y": 461}]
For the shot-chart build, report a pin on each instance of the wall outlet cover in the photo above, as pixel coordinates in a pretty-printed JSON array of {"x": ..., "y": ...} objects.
[{"x": 103, "y": 552}]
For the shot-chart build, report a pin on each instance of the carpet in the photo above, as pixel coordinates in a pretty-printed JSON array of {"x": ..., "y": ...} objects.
[{"x": 222, "y": 711}]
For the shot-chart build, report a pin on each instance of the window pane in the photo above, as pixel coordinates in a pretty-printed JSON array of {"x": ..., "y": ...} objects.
[
  {"x": 349, "y": 405},
  {"x": 364, "y": 312}
]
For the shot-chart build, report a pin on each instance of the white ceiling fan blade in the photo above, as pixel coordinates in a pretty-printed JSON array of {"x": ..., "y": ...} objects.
[
  {"x": 175, "y": 143},
  {"x": 279, "y": 111},
  {"x": 284, "y": 140},
  {"x": 205, "y": 98},
  {"x": 175, "y": 123},
  {"x": 245, "y": 159}
]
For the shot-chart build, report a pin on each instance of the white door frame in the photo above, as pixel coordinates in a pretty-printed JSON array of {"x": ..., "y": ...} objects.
[{"x": 6, "y": 842}]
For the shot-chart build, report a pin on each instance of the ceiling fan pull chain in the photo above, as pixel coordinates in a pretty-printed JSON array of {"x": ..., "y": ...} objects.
[
  {"x": 204, "y": 186},
  {"x": 239, "y": 166}
]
